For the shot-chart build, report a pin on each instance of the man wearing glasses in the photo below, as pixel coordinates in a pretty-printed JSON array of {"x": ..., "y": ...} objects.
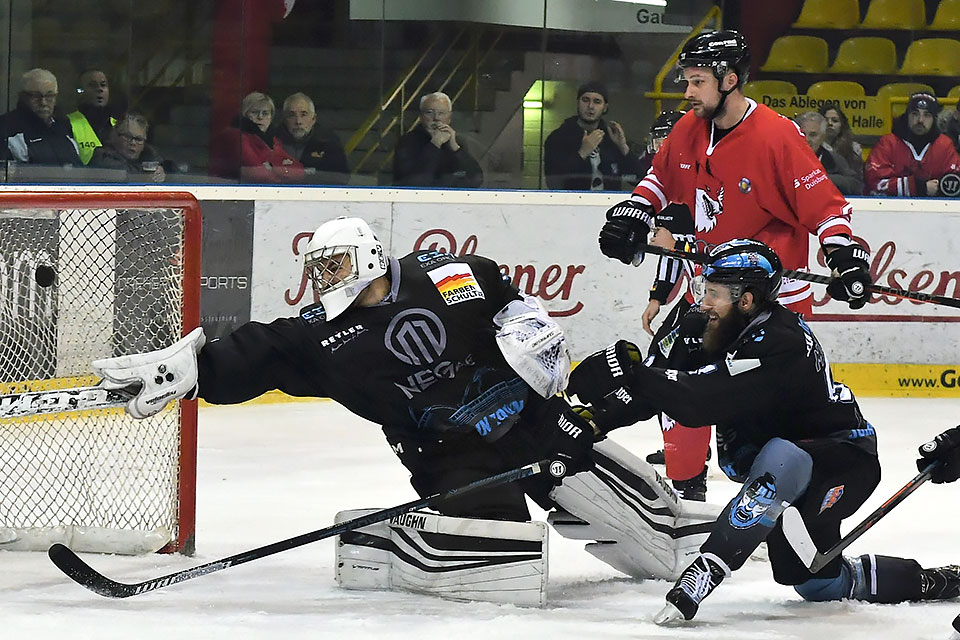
[
  {"x": 127, "y": 149},
  {"x": 34, "y": 132},
  {"x": 431, "y": 155}
]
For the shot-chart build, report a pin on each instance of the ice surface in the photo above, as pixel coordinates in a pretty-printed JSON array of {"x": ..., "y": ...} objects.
[{"x": 269, "y": 472}]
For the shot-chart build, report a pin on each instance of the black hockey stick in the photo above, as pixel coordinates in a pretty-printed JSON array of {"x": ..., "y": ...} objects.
[
  {"x": 919, "y": 296},
  {"x": 85, "y": 575},
  {"x": 799, "y": 538}
]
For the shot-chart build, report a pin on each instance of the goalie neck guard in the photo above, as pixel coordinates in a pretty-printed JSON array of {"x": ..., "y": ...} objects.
[{"x": 341, "y": 260}]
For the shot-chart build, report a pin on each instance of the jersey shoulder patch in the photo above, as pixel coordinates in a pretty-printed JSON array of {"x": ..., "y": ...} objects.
[{"x": 456, "y": 283}]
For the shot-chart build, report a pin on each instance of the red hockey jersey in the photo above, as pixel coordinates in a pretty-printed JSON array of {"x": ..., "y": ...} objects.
[
  {"x": 760, "y": 181},
  {"x": 895, "y": 166}
]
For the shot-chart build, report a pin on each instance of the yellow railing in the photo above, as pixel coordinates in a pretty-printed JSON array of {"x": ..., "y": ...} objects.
[
  {"x": 401, "y": 96},
  {"x": 658, "y": 94}
]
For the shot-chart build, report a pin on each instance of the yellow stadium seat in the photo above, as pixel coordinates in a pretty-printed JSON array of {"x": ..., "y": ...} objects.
[
  {"x": 902, "y": 90},
  {"x": 758, "y": 88},
  {"x": 836, "y": 89},
  {"x": 803, "y": 54},
  {"x": 895, "y": 14},
  {"x": 829, "y": 14},
  {"x": 947, "y": 17},
  {"x": 932, "y": 57},
  {"x": 954, "y": 93},
  {"x": 866, "y": 55}
]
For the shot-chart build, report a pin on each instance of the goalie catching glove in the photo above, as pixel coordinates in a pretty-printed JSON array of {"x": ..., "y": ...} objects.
[
  {"x": 626, "y": 229},
  {"x": 156, "y": 378},
  {"x": 602, "y": 380},
  {"x": 852, "y": 275}
]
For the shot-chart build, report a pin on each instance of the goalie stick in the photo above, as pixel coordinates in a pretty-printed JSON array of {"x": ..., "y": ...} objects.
[
  {"x": 85, "y": 575},
  {"x": 799, "y": 538},
  {"x": 17, "y": 405},
  {"x": 919, "y": 296}
]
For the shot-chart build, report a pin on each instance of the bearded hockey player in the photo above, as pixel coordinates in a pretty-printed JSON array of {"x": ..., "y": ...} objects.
[
  {"x": 462, "y": 373},
  {"x": 745, "y": 172},
  {"x": 785, "y": 430}
]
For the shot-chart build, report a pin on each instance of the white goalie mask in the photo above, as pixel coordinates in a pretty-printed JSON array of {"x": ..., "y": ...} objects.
[{"x": 341, "y": 260}]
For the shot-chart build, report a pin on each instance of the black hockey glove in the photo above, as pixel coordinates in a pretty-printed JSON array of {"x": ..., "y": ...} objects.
[
  {"x": 564, "y": 436},
  {"x": 627, "y": 227},
  {"x": 849, "y": 263},
  {"x": 602, "y": 380},
  {"x": 945, "y": 448}
]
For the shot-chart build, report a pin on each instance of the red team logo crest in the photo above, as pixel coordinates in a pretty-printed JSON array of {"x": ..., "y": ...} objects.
[{"x": 709, "y": 207}]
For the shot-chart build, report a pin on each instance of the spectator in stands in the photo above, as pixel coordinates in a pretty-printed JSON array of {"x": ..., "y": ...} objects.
[
  {"x": 847, "y": 180},
  {"x": 840, "y": 136},
  {"x": 431, "y": 155},
  {"x": 93, "y": 120},
  {"x": 588, "y": 153},
  {"x": 127, "y": 149},
  {"x": 35, "y": 132},
  {"x": 249, "y": 150},
  {"x": 318, "y": 150},
  {"x": 949, "y": 123},
  {"x": 911, "y": 160}
]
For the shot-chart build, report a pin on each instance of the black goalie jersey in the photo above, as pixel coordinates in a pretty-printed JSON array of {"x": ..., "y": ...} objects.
[{"x": 423, "y": 361}]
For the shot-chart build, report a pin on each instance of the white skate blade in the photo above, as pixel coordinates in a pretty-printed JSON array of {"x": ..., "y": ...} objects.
[{"x": 669, "y": 615}]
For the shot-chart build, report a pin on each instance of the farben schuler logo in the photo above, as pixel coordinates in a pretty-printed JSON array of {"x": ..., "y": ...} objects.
[{"x": 456, "y": 283}]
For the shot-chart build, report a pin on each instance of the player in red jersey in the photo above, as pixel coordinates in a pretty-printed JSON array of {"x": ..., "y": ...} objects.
[{"x": 745, "y": 172}]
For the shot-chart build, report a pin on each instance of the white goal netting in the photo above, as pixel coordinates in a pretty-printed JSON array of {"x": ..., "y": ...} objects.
[{"x": 93, "y": 480}]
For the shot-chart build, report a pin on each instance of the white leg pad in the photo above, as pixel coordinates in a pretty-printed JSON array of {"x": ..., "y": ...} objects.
[
  {"x": 458, "y": 558},
  {"x": 645, "y": 530}
]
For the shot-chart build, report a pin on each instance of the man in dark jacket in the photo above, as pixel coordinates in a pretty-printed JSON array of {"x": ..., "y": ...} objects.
[
  {"x": 587, "y": 153},
  {"x": 318, "y": 150},
  {"x": 127, "y": 150},
  {"x": 33, "y": 132},
  {"x": 814, "y": 128},
  {"x": 431, "y": 155}
]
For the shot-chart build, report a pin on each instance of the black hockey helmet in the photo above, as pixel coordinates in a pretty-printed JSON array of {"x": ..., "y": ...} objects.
[
  {"x": 661, "y": 127},
  {"x": 722, "y": 51},
  {"x": 743, "y": 265}
]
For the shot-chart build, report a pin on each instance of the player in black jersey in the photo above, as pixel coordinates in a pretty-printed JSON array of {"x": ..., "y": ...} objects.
[
  {"x": 785, "y": 429},
  {"x": 462, "y": 373}
]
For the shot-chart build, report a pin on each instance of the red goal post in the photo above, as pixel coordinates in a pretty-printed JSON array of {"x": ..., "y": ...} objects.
[{"x": 88, "y": 275}]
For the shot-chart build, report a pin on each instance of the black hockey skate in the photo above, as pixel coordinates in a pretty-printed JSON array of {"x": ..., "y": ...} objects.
[
  {"x": 696, "y": 582},
  {"x": 940, "y": 583},
  {"x": 659, "y": 457},
  {"x": 693, "y": 489}
]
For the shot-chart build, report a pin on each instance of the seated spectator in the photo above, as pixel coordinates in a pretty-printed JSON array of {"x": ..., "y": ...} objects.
[
  {"x": 431, "y": 155},
  {"x": 35, "y": 132},
  {"x": 318, "y": 150},
  {"x": 840, "y": 136},
  {"x": 93, "y": 120},
  {"x": 847, "y": 180},
  {"x": 949, "y": 123},
  {"x": 587, "y": 153},
  {"x": 127, "y": 149},
  {"x": 249, "y": 151},
  {"x": 911, "y": 160}
]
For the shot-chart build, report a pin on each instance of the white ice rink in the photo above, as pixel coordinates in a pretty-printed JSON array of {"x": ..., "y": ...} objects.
[{"x": 270, "y": 472}]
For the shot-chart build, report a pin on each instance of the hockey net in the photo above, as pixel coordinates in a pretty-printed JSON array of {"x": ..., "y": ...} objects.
[{"x": 125, "y": 271}]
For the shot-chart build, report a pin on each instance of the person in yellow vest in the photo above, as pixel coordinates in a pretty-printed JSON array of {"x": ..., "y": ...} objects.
[{"x": 92, "y": 121}]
